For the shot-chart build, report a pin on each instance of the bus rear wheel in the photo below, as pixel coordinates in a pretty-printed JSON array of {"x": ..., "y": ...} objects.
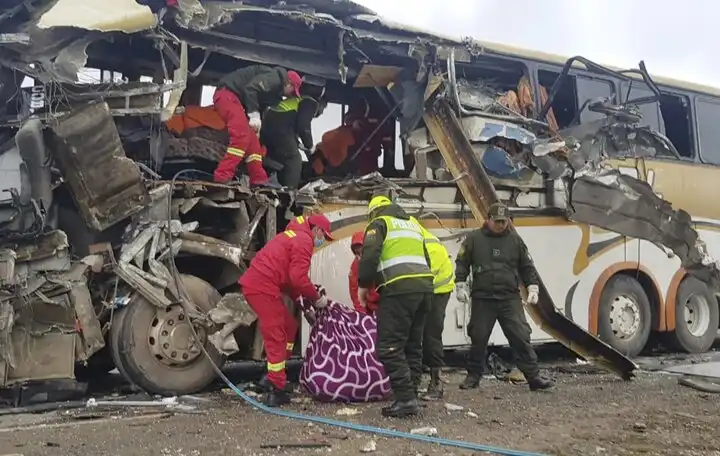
[
  {"x": 157, "y": 350},
  {"x": 696, "y": 317},
  {"x": 624, "y": 315}
]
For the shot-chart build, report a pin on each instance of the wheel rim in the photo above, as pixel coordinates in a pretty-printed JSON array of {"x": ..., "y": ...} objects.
[
  {"x": 697, "y": 315},
  {"x": 624, "y": 317},
  {"x": 171, "y": 340}
]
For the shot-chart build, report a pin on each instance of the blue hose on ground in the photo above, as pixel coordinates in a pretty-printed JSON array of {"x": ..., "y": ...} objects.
[
  {"x": 320, "y": 419},
  {"x": 371, "y": 429}
]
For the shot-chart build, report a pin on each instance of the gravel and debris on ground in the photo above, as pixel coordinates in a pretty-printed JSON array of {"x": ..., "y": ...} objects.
[{"x": 588, "y": 413}]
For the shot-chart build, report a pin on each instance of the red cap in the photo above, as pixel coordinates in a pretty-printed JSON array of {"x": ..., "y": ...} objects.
[
  {"x": 323, "y": 223},
  {"x": 296, "y": 81},
  {"x": 357, "y": 239}
]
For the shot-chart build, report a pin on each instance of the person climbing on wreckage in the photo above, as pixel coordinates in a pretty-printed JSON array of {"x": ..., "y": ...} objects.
[
  {"x": 280, "y": 268},
  {"x": 239, "y": 99},
  {"x": 498, "y": 259},
  {"x": 283, "y": 124}
]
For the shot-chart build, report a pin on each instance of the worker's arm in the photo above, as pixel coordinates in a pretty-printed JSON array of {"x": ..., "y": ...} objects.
[
  {"x": 300, "y": 256},
  {"x": 372, "y": 249},
  {"x": 305, "y": 115},
  {"x": 526, "y": 268},
  {"x": 463, "y": 262},
  {"x": 353, "y": 285},
  {"x": 269, "y": 82}
]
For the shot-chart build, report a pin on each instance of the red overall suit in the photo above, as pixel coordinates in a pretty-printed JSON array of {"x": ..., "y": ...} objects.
[
  {"x": 373, "y": 296},
  {"x": 281, "y": 267},
  {"x": 244, "y": 142}
]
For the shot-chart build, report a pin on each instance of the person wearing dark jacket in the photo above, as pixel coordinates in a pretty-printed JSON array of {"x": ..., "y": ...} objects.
[
  {"x": 394, "y": 259},
  {"x": 498, "y": 260},
  {"x": 282, "y": 125},
  {"x": 239, "y": 98}
]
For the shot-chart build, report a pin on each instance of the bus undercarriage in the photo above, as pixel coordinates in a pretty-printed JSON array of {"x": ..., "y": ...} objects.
[{"x": 108, "y": 255}]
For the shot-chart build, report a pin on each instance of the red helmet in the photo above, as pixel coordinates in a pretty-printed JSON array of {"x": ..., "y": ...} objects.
[{"x": 357, "y": 239}]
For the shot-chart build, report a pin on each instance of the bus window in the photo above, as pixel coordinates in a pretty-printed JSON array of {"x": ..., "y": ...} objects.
[
  {"x": 675, "y": 110},
  {"x": 574, "y": 92},
  {"x": 651, "y": 116},
  {"x": 591, "y": 89},
  {"x": 707, "y": 113}
]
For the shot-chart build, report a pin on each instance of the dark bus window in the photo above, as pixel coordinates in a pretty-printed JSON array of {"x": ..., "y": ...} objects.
[
  {"x": 650, "y": 111},
  {"x": 708, "y": 119},
  {"x": 591, "y": 89},
  {"x": 675, "y": 110}
]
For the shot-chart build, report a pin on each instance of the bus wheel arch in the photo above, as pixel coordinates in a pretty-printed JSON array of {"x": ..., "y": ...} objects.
[
  {"x": 693, "y": 315},
  {"x": 625, "y": 307}
]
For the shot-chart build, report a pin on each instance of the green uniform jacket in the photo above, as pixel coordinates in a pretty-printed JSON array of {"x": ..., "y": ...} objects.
[
  {"x": 372, "y": 249},
  {"x": 287, "y": 121},
  {"x": 498, "y": 262},
  {"x": 257, "y": 86}
]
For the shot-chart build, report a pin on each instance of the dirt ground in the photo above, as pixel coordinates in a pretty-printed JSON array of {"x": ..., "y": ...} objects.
[{"x": 588, "y": 413}]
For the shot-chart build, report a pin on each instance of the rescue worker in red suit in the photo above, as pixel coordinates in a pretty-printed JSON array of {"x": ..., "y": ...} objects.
[
  {"x": 282, "y": 268},
  {"x": 356, "y": 243},
  {"x": 239, "y": 99}
]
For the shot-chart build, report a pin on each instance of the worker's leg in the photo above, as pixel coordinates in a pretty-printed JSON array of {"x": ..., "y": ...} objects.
[
  {"x": 290, "y": 175},
  {"x": 290, "y": 329},
  {"x": 511, "y": 315},
  {"x": 395, "y": 316},
  {"x": 254, "y": 159},
  {"x": 231, "y": 111},
  {"x": 271, "y": 312},
  {"x": 482, "y": 320},
  {"x": 433, "y": 348},
  {"x": 414, "y": 346}
]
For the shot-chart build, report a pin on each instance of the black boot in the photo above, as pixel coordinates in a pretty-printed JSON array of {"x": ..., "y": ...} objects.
[
  {"x": 276, "y": 398},
  {"x": 401, "y": 409},
  {"x": 471, "y": 381},
  {"x": 266, "y": 386},
  {"x": 539, "y": 384},
  {"x": 435, "y": 387}
]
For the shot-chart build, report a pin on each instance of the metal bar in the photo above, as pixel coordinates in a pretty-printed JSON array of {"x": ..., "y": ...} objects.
[{"x": 479, "y": 193}]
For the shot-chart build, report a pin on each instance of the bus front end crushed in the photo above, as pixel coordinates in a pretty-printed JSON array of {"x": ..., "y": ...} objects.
[{"x": 595, "y": 193}]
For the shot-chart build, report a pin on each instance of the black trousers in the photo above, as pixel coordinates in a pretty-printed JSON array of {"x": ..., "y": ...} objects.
[
  {"x": 401, "y": 321},
  {"x": 433, "y": 348},
  {"x": 511, "y": 316}
]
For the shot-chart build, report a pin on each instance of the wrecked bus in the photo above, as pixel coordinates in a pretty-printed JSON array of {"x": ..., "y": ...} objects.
[{"x": 117, "y": 252}]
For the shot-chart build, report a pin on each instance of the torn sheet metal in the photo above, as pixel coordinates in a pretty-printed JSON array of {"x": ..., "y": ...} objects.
[
  {"x": 106, "y": 185},
  {"x": 630, "y": 207},
  {"x": 99, "y": 15},
  {"x": 479, "y": 193}
]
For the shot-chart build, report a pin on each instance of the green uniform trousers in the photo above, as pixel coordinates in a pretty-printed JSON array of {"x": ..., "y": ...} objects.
[
  {"x": 510, "y": 313},
  {"x": 433, "y": 348},
  {"x": 401, "y": 321}
]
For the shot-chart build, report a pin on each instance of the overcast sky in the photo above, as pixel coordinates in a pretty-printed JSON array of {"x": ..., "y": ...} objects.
[{"x": 679, "y": 41}]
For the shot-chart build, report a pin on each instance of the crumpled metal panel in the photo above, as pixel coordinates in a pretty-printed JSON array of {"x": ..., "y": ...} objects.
[
  {"x": 106, "y": 185},
  {"x": 628, "y": 206}
]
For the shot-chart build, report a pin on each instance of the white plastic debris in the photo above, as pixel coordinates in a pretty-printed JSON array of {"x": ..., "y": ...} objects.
[
  {"x": 347, "y": 411},
  {"x": 427, "y": 431},
  {"x": 472, "y": 415},
  {"x": 453, "y": 407},
  {"x": 371, "y": 447}
]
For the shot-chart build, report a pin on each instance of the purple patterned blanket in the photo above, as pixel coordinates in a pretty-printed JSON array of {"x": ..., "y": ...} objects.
[{"x": 340, "y": 359}]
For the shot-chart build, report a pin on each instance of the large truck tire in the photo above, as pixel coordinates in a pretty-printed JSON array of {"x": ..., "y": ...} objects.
[
  {"x": 156, "y": 347},
  {"x": 624, "y": 316},
  {"x": 696, "y": 317}
]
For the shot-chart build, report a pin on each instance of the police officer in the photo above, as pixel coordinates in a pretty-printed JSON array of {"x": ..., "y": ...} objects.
[
  {"x": 443, "y": 284},
  {"x": 395, "y": 260},
  {"x": 498, "y": 259}
]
